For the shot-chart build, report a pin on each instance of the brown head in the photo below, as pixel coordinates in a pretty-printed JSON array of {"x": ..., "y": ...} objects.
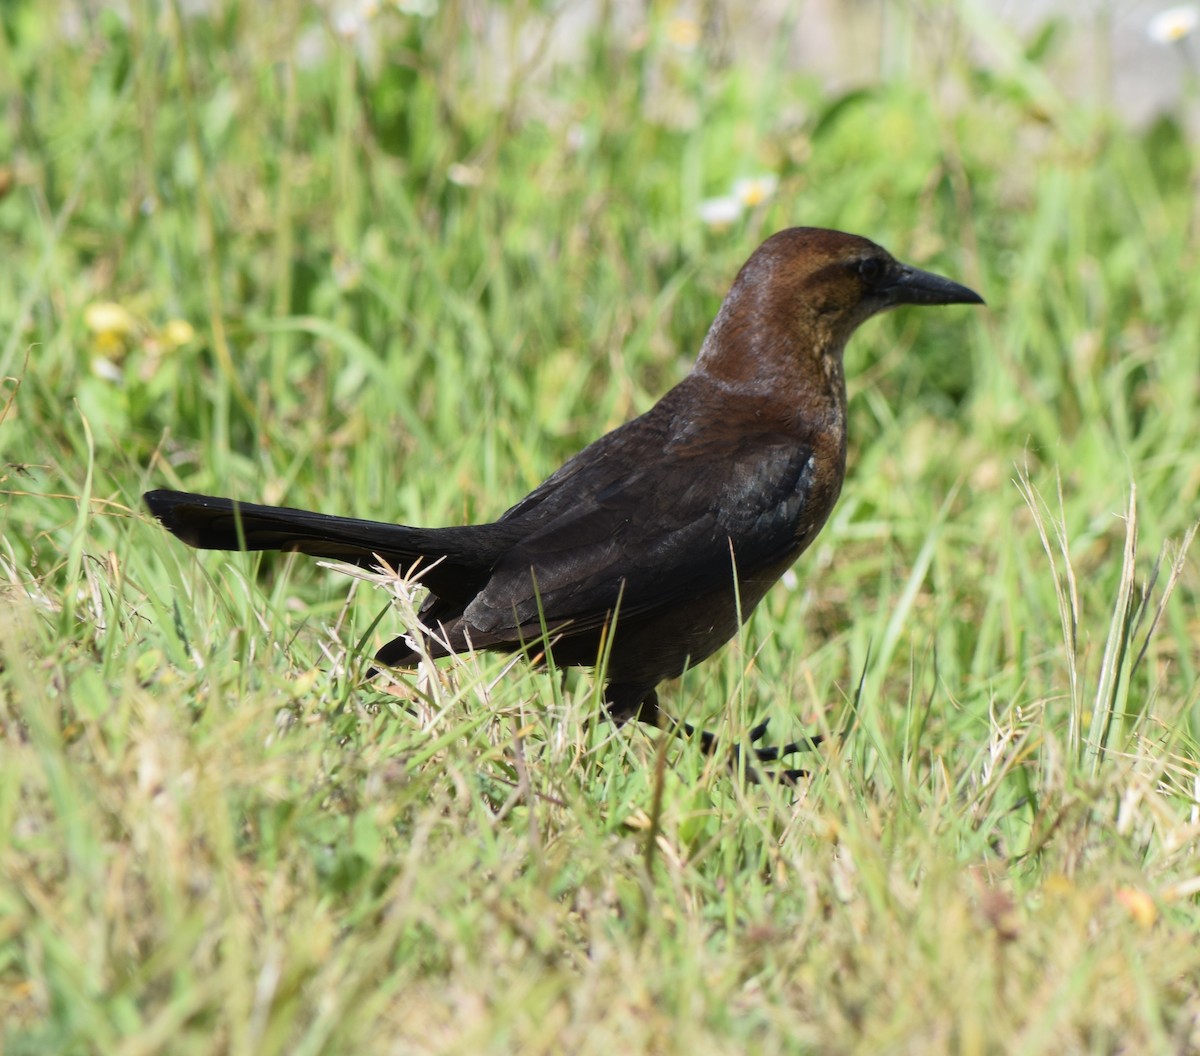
[{"x": 797, "y": 300}]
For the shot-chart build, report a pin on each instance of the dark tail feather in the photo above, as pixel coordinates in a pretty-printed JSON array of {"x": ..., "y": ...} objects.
[{"x": 212, "y": 523}]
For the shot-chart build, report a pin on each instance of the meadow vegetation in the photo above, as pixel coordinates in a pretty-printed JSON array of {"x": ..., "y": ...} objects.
[{"x": 402, "y": 267}]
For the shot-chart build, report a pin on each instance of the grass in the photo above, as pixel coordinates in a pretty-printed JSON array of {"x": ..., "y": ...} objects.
[{"x": 405, "y": 276}]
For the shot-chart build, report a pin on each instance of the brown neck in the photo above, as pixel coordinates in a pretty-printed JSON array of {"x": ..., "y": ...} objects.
[{"x": 795, "y": 370}]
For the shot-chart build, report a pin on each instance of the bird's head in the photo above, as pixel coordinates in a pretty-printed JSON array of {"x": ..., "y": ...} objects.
[{"x": 801, "y": 295}]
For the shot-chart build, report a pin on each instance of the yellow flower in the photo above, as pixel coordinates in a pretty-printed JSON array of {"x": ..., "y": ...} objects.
[
  {"x": 176, "y": 332},
  {"x": 683, "y": 33},
  {"x": 110, "y": 324},
  {"x": 108, "y": 317},
  {"x": 1139, "y": 905},
  {"x": 754, "y": 190}
]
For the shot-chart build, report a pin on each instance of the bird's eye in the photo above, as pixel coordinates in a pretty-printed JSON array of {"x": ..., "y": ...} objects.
[{"x": 870, "y": 270}]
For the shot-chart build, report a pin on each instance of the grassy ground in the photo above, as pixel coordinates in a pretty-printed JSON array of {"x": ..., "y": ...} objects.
[{"x": 404, "y": 276}]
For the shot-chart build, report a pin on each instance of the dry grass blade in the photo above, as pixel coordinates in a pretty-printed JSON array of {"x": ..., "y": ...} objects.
[
  {"x": 1066, "y": 592},
  {"x": 1112, "y": 684}
]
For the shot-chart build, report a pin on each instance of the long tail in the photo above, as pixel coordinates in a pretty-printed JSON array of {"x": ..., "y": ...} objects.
[{"x": 212, "y": 523}]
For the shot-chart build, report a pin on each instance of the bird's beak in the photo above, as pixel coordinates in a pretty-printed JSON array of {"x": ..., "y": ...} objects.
[{"x": 914, "y": 286}]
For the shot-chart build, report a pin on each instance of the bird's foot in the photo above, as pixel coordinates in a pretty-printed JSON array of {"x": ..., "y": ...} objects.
[
  {"x": 623, "y": 703},
  {"x": 761, "y": 753}
]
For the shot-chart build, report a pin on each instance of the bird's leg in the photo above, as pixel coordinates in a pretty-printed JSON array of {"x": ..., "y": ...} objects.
[
  {"x": 634, "y": 702},
  {"x": 622, "y": 703},
  {"x": 769, "y": 755},
  {"x": 761, "y": 753}
]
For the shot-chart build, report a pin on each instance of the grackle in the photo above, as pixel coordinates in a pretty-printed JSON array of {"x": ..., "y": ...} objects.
[{"x": 654, "y": 541}]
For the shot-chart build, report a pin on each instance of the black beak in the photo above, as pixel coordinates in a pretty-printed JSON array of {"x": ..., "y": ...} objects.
[{"x": 914, "y": 286}]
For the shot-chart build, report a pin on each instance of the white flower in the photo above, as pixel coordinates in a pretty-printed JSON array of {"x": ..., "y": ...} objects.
[
  {"x": 311, "y": 47},
  {"x": 754, "y": 190},
  {"x": 719, "y": 213},
  {"x": 350, "y": 20},
  {"x": 1173, "y": 24},
  {"x": 420, "y": 8},
  {"x": 347, "y": 23},
  {"x": 576, "y": 137},
  {"x": 464, "y": 175}
]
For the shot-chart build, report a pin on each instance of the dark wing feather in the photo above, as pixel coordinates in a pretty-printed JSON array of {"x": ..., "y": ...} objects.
[{"x": 704, "y": 501}]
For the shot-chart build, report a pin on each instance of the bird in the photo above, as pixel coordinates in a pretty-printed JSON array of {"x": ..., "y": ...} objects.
[{"x": 646, "y": 550}]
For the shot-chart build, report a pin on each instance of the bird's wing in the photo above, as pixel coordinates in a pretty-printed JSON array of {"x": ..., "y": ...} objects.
[{"x": 653, "y": 534}]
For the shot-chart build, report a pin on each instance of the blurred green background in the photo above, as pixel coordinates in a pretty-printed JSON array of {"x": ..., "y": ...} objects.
[{"x": 400, "y": 260}]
